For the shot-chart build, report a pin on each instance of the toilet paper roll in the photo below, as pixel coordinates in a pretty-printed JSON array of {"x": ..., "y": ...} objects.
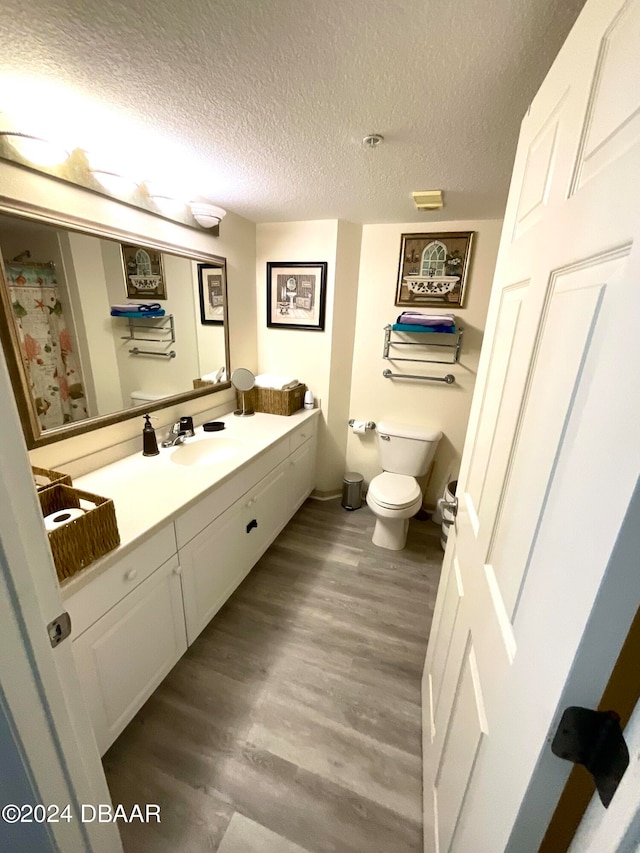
[
  {"x": 359, "y": 427},
  {"x": 62, "y": 517}
]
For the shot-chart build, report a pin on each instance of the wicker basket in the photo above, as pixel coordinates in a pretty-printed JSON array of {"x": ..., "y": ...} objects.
[
  {"x": 272, "y": 402},
  {"x": 83, "y": 540},
  {"x": 53, "y": 478},
  {"x": 201, "y": 383}
]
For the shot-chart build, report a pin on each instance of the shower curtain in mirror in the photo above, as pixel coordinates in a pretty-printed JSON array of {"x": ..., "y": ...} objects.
[{"x": 52, "y": 367}]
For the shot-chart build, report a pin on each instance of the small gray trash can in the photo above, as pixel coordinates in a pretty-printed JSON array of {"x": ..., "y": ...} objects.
[{"x": 352, "y": 490}]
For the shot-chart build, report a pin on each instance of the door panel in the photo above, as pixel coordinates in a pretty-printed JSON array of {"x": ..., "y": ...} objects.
[
  {"x": 564, "y": 339},
  {"x": 613, "y": 124}
]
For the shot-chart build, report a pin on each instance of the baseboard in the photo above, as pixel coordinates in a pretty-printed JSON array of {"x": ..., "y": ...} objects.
[{"x": 324, "y": 496}]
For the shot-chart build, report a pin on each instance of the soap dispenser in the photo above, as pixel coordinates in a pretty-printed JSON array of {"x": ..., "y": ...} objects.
[{"x": 149, "y": 441}]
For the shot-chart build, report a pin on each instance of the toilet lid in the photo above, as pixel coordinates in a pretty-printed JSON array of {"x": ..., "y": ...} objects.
[{"x": 394, "y": 490}]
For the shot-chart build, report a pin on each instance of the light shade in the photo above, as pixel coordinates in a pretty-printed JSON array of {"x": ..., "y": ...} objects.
[
  {"x": 207, "y": 215},
  {"x": 38, "y": 151},
  {"x": 168, "y": 206},
  {"x": 117, "y": 185}
]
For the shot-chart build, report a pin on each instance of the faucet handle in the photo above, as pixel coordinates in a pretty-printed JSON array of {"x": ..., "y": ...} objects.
[{"x": 186, "y": 425}]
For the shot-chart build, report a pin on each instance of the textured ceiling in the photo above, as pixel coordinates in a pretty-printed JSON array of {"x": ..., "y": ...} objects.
[{"x": 268, "y": 101}]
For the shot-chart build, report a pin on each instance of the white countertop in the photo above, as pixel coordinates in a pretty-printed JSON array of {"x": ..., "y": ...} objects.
[{"x": 150, "y": 491}]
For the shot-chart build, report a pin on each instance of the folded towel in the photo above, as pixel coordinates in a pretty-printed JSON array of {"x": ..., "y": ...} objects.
[
  {"x": 279, "y": 383},
  {"x": 407, "y": 327},
  {"x": 135, "y": 307},
  {"x": 415, "y": 318},
  {"x": 216, "y": 376},
  {"x": 134, "y": 314}
]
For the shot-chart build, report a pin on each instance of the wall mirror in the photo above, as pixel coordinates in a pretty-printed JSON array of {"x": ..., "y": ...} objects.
[{"x": 75, "y": 367}]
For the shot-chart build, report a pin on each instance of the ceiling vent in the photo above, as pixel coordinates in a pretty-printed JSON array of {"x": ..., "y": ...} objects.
[{"x": 428, "y": 199}]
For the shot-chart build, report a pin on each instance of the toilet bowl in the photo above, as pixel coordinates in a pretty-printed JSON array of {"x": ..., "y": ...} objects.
[
  {"x": 393, "y": 499},
  {"x": 395, "y": 496}
]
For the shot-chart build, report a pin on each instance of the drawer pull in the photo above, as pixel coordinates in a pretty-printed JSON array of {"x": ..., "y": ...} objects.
[
  {"x": 177, "y": 570},
  {"x": 250, "y": 502},
  {"x": 253, "y": 523},
  {"x": 131, "y": 575},
  {"x": 303, "y": 435}
]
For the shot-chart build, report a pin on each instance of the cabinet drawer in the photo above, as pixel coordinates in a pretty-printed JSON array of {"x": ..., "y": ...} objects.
[
  {"x": 300, "y": 435},
  {"x": 190, "y": 523},
  {"x": 92, "y": 601}
]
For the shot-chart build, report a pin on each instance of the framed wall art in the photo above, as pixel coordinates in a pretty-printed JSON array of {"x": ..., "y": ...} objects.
[
  {"x": 211, "y": 290},
  {"x": 433, "y": 269},
  {"x": 296, "y": 295},
  {"x": 143, "y": 272}
]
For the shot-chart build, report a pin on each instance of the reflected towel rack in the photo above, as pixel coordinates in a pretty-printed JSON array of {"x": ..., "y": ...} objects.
[
  {"x": 136, "y": 351},
  {"x": 449, "y": 378},
  {"x": 162, "y": 329}
]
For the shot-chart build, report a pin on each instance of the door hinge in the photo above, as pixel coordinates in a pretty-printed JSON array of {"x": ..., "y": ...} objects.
[
  {"x": 594, "y": 739},
  {"x": 59, "y": 629}
]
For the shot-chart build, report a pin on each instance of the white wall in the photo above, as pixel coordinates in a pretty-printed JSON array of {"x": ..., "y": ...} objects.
[
  {"x": 322, "y": 360},
  {"x": 88, "y": 288},
  {"x": 236, "y": 242},
  {"x": 445, "y": 407}
]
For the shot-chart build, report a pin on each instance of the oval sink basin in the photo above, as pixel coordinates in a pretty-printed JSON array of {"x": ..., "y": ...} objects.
[{"x": 208, "y": 451}]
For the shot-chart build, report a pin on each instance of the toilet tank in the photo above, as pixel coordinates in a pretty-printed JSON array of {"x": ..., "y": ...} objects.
[
  {"x": 406, "y": 449},
  {"x": 139, "y": 398}
]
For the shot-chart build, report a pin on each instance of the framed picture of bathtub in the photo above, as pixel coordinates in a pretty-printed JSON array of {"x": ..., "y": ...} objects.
[
  {"x": 433, "y": 269},
  {"x": 211, "y": 290},
  {"x": 296, "y": 295},
  {"x": 143, "y": 272}
]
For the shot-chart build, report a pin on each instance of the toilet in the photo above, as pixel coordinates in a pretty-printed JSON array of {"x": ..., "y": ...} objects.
[
  {"x": 395, "y": 496},
  {"x": 141, "y": 398}
]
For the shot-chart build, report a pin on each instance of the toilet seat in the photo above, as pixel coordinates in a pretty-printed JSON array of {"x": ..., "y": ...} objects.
[{"x": 394, "y": 491}]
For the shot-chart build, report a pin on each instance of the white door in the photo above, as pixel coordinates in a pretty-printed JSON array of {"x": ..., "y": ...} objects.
[
  {"x": 552, "y": 453},
  {"x": 39, "y": 689}
]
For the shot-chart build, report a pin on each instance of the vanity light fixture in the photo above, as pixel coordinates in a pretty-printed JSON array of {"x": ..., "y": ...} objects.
[
  {"x": 206, "y": 215},
  {"x": 428, "y": 199},
  {"x": 35, "y": 150}
]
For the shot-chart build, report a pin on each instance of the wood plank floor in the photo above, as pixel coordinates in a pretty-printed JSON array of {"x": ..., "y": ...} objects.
[{"x": 292, "y": 725}]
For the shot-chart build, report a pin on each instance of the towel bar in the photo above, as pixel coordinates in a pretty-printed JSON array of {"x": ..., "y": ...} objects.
[
  {"x": 449, "y": 378},
  {"x": 136, "y": 351}
]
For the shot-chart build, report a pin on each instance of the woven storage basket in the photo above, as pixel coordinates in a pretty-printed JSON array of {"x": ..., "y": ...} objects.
[
  {"x": 201, "y": 383},
  {"x": 280, "y": 402},
  {"x": 83, "y": 540},
  {"x": 54, "y": 478},
  {"x": 272, "y": 402}
]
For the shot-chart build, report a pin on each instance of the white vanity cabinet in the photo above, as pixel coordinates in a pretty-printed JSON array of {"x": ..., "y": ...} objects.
[{"x": 135, "y": 619}]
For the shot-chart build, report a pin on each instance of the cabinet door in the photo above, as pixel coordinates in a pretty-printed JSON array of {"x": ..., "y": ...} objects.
[
  {"x": 266, "y": 511},
  {"x": 220, "y": 556},
  {"x": 301, "y": 476},
  {"x": 123, "y": 656},
  {"x": 214, "y": 562}
]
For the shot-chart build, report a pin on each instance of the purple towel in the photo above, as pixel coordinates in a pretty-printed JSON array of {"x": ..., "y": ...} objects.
[{"x": 415, "y": 318}]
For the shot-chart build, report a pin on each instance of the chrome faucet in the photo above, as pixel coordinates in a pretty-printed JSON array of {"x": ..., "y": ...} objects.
[{"x": 179, "y": 431}]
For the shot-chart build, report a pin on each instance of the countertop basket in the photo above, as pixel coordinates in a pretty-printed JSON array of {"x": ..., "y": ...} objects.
[
  {"x": 202, "y": 383},
  {"x": 83, "y": 540},
  {"x": 51, "y": 478},
  {"x": 272, "y": 402}
]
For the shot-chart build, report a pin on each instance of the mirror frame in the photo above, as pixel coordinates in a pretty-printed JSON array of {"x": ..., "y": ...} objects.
[{"x": 9, "y": 335}]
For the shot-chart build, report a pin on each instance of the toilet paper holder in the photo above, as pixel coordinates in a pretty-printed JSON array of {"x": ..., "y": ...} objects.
[{"x": 368, "y": 425}]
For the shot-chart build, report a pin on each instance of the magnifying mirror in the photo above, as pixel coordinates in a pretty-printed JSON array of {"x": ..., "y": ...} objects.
[{"x": 243, "y": 380}]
